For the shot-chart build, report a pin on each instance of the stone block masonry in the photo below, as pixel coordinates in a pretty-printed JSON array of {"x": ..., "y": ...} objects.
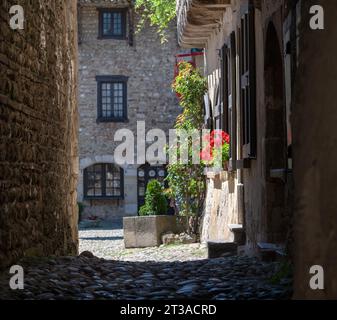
[
  {"x": 38, "y": 131},
  {"x": 148, "y": 66}
]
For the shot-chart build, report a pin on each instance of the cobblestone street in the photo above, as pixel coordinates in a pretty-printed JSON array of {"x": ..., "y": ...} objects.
[
  {"x": 108, "y": 243},
  {"x": 170, "y": 272}
]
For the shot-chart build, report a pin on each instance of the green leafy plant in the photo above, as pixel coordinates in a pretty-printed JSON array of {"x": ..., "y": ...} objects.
[
  {"x": 155, "y": 200},
  {"x": 216, "y": 148},
  {"x": 186, "y": 180},
  {"x": 158, "y": 12}
]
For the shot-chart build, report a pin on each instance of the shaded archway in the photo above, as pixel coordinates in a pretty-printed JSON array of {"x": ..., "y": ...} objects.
[{"x": 275, "y": 139}]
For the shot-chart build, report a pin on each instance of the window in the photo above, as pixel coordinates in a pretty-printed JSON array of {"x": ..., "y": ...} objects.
[
  {"x": 112, "y": 23},
  {"x": 228, "y": 95},
  {"x": 111, "y": 98},
  {"x": 247, "y": 85},
  {"x": 103, "y": 180}
]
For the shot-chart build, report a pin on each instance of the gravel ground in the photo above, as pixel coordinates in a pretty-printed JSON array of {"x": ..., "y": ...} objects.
[{"x": 108, "y": 243}]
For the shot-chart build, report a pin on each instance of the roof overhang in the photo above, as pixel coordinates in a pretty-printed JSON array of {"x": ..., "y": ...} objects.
[{"x": 197, "y": 20}]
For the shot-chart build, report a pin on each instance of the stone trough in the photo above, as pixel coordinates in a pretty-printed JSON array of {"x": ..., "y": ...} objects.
[{"x": 147, "y": 231}]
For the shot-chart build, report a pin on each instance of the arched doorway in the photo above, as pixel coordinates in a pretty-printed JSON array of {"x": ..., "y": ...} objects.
[{"x": 275, "y": 139}]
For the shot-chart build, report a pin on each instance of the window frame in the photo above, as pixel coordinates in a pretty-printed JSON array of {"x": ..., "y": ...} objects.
[
  {"x": 248, "y": 82},
  {"x": 228, "y": 74},
  {"x": 112, "y": 80},
  {"x": 101, "y": 12},
  {"x": 103, "y": 183}
]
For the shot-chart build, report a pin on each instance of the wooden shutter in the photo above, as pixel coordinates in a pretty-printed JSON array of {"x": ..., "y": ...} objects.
[
  {"x": 218, "y": 109},
  {"x": 247, "y": 88},
  {"x": 224, "y": 87},
  {"x": 208, "y": 119},
  {"x": 231, "y": 99}
]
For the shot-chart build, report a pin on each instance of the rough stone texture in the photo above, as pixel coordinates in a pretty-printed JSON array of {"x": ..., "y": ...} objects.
[
  {"x": 315, "y": 155},
  {"x": 219, "y": 249},
  {"x": 91, "y": 278},
  {"x": 38, "y": 131},
  {"x": 141, "y": 232},
  {"x": 149, "y": 66},
  {"x": 250, "y": 196},
  {"x": 221, "y": 208}
]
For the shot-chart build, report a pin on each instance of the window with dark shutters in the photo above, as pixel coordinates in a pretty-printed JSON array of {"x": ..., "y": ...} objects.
[
  {"x": 228, "y": 95},
  {"x": 247, "y": 87},
  {"x": 224, "y": 88},
  {"x": 218, "y": 109},
  {"x": 231, "y": 99}
]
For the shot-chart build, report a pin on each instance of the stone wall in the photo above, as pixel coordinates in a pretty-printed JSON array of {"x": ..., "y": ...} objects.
[
  {"x": 249, "y": 196},
  {"x": 315, "y": 154},
  {"x": 222, "y": 202},
  {"x": 38, "y": 131},
  {"x": 149, "y": 66},
  {"x": 221, "y": 208}
]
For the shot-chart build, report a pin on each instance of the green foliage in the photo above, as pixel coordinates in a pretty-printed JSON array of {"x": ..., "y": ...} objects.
[
  {"x": 191, "y": 86},
  {"x": 155, "y": 200},
  {"x": 187, "y": 181},
  {"x": 220, "y": 155},
  {"x": 158, "y": 12}
]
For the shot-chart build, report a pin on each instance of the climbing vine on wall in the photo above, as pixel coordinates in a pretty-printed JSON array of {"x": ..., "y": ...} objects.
[{"x": 186, "y": 180}]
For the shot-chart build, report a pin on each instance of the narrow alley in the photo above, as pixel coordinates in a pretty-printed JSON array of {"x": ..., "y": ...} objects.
[{"x": 168, "y": 150}]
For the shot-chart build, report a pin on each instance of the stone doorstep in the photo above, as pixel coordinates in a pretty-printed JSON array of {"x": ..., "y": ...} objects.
[
  {"x": 218, "y": 249},
  {"x": 271, "y": 251},
  {"x": 239, "y": 233}
]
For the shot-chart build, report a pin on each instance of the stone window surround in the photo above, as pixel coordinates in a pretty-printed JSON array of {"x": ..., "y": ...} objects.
[
  {"x": 101, "y": 34},
  {"x": 121, "y": 187},
  {"x": 111, "y": 79}
]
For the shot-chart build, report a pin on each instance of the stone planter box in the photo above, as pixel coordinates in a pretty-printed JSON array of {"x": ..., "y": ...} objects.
[{"x": 146, "y": 231}]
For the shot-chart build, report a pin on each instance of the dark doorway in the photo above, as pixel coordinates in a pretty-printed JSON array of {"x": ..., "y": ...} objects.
[
  {"x": 145, "y": 174},
  {"x": 276, "y": 139}
]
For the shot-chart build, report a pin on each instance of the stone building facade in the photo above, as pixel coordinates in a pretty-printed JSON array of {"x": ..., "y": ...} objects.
[
  {"x": 112, "y": 53},
  {"x": 38, "y": 131},
  {"x": 246, "y": 100},
  {"x": 271, "y": 84}
]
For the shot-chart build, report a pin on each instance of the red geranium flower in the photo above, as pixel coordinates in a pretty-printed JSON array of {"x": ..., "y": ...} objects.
[
  {"x": 220, "y": 137},
  {"x": 206, "y": 154}
]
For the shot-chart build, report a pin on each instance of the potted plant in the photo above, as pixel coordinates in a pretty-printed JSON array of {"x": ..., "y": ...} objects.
[{"x": 216, "y": 150}]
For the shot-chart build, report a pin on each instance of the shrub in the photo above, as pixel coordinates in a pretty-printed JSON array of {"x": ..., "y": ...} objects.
[{"x": 155, "y": 200}]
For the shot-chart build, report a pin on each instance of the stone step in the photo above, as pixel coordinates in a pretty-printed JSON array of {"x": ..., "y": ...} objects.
[
  {"x": 271, "y": 251},
  {"x": 218, "y": 249},
  {"x": 239, "y": 233}
]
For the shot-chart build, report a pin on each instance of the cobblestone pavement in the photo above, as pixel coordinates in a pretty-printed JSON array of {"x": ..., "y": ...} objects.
[
  {"x": 175, "y": 272},
  {"x": 109, "y": 244}
]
